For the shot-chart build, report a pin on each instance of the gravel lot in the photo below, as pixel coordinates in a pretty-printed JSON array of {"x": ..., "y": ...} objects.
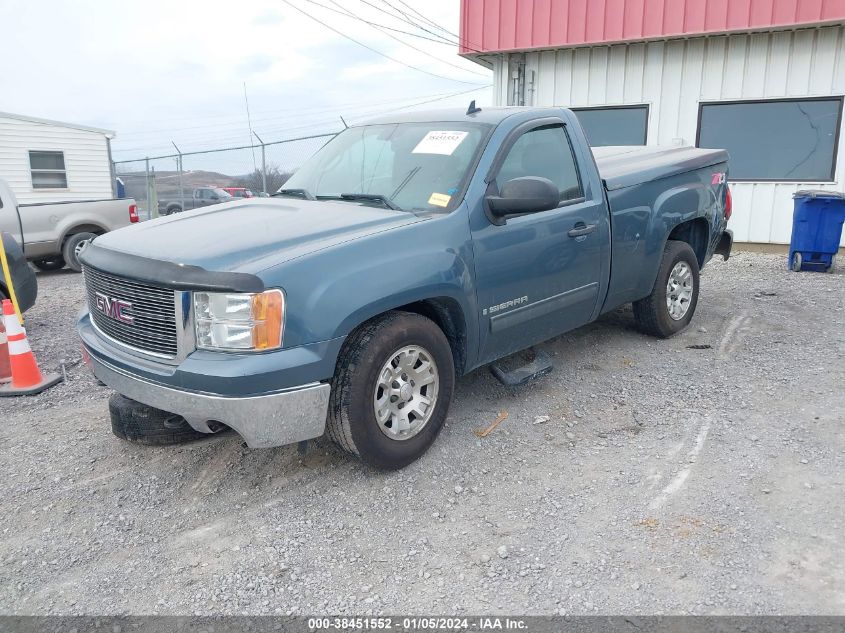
[{"x": 642, "y": 476}]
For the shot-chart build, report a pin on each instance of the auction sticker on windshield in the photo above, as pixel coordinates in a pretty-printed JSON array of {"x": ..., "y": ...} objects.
[
  {"x": 440, "y": 142},
  {"x": 439, "y": 199}
]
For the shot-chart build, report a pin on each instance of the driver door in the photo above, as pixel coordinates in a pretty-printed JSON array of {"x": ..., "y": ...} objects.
[{"x": 538, "y": 275}]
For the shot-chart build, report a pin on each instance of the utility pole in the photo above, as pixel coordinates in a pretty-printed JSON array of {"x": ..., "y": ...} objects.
[
  {"x": 147, "y": 183},
  {"x": 179, "y": 167},
  {"x": 263, "y": 164}
]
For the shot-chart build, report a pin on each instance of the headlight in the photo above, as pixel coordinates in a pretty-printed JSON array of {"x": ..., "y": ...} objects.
[{"x": 239, "y": 321}]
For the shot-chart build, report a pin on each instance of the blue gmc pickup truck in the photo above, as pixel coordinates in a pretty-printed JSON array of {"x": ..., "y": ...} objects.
[{"x": 406, "y": 252}]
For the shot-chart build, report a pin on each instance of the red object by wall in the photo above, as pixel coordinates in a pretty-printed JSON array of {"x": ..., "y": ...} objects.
[{"x": 490, "y": 26}]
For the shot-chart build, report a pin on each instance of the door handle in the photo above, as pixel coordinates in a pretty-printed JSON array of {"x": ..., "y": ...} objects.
[{"x": 581, "y": 229}]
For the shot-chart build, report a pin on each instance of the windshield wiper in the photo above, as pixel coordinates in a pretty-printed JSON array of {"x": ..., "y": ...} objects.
[
  {"x": 298, "y": 193},
  {"x": 371, "y": 197}
]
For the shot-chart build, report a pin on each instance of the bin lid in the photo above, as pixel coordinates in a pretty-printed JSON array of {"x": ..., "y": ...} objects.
[{"x": 819, "y": 193}]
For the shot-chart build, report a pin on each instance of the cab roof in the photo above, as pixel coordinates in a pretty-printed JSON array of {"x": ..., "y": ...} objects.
[{"x": 491, "y": 116}]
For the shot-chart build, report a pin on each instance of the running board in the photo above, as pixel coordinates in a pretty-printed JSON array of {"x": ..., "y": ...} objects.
[{"x": 534, "y": 368}]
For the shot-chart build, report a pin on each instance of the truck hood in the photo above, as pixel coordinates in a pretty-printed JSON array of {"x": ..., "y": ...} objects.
[{"x": 251, "y": 235}]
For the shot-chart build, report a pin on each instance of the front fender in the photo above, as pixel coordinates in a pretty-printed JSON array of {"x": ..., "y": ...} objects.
[{"x": 332, "y": 291}]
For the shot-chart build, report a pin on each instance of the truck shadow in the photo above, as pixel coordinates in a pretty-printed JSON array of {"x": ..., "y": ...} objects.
[{"x": 64, "y": 272}]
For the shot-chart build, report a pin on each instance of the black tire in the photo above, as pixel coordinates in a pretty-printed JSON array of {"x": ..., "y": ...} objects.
[
  {"x": 141, "y": 424},
  {"x": 50, "y": 263},
  {"x": 352, "y": 422},
  {"x": 70, "y": 247},
  {"x": 173, "y": 209},
  {"x": 651, "y": 313}
]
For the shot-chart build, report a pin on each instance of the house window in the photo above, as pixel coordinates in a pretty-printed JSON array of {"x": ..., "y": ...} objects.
[
  {"x": 617, "y": 125},
  {"x": 48, "y": 170},
  {"x": 781, "y": 140}
]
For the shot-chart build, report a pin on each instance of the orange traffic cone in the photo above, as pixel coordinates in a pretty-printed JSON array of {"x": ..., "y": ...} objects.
[
  {"x": 5, "y": 367},
  {"x": 26, "y": 377}
]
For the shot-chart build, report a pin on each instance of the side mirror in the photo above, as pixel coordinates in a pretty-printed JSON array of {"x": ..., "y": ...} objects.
[
  {"x": 527, "y": 194},
  {"x": 214, "y": 196}
]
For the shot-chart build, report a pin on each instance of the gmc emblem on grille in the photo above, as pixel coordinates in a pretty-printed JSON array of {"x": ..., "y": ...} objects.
[{"x": 116, "y": 309}]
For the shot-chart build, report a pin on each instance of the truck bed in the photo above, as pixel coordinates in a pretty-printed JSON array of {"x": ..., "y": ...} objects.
[{"x": 626, "y": 165}]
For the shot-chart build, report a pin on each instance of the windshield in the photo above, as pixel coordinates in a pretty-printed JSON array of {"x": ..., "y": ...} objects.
[
  {"x": 221, "y": 193},
  {"x": 408, "y": 166}
]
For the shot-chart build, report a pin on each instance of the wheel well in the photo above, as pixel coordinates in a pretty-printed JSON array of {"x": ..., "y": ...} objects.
[
  {"x": 449, "y": 317},
  {"x": 696, "y": 233}
]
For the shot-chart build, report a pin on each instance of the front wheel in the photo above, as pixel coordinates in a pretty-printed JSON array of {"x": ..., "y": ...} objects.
[
  {"x": 670, "y": 306},
  {"x": 796, "y": 262},
  {"x": 73, "y": 248},
  {"x": 391, "y": 390}
]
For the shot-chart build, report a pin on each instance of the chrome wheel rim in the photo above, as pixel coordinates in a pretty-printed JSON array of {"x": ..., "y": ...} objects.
[
  {"x": 679, "y": 291},
  {"x": 406, "y": 390},
  {"x": 80, "y": 247}
]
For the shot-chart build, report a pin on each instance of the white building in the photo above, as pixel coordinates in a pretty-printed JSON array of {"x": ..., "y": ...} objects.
[
  {"x": 763, "y": 79},
  {"x": 50, "y": 161}
]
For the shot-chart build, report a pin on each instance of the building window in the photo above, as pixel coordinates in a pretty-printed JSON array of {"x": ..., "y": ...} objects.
[
  {"x": 48, "y": 170},
  {"x": 616, "y": 125},
  {"x": 781, "y": 140}
]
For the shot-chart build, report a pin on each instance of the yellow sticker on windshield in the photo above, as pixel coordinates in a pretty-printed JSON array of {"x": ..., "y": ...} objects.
[{"x": 439, "y": 199}]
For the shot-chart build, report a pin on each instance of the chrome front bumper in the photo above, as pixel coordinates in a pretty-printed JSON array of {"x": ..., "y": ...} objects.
[{"x": 274, "y": 419}]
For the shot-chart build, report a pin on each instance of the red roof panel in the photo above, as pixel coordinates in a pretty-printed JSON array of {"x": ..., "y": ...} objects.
[{"x": 503, "y": 25}]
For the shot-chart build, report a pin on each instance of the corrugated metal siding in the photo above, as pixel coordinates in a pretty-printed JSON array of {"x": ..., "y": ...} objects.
[
  {"x": 86, "y": 160},
  {"x": 673, "y": 77},
  {"x": 508, "y": 25}
]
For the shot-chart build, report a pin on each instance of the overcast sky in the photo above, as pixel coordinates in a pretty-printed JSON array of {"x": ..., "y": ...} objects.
[{"x": 157, "y": 71}]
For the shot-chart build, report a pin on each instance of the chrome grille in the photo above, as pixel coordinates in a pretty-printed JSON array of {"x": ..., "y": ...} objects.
[{"x": 153, "y": 312}]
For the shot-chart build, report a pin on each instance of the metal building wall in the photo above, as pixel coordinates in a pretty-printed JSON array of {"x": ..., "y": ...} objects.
[{"x": 673, "y": 76}]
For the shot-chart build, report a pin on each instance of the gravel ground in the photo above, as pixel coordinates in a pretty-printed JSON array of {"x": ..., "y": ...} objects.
[{"x": 642, "y": 476}]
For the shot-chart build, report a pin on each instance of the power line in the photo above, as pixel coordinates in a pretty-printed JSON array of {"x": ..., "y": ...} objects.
[
  {"x": 422, "y": 17},
  {"x": 404, "y": 18},
  {"x": 459, "y": 41},
  {"x": 314, "y": 123},
  {"x": 297, "y": 113},
  {"x": 393, "y": 37},
  {"x": 346, "y": 13},
  {"x": 370, "y": 48}
]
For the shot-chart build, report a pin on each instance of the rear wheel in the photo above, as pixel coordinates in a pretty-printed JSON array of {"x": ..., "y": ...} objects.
[
  {"x": 671, "y": 305},
  {"x": 73, "y": 248},
  {"x": 50, "y": 263},
  {"x": 796, "y": 262},
  {"x": 392, "y": 389}
]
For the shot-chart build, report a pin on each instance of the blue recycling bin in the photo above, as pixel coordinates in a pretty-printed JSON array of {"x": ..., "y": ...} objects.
[{"x": 816, "y": 229}]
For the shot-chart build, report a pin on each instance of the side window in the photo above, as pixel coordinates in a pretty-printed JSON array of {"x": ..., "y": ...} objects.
[
  {"x": 48, "y": 170},
  {"x": 545, "y": 152}
]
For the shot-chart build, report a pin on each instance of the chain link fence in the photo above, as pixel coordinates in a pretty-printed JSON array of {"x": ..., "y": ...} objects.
[{"x": 161, "y": 184}]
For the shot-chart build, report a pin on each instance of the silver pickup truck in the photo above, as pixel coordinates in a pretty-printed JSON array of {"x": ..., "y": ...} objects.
[{"x": 53, "y": 234}]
